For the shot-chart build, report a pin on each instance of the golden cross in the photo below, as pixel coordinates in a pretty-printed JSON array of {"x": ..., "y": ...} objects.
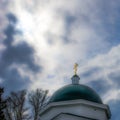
[{"x": 75, "y": 68}]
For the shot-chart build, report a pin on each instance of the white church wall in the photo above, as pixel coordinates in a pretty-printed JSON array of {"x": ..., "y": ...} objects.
[
  {"x": 76, "y": 107},
  {"x": 69, "y": 117}
]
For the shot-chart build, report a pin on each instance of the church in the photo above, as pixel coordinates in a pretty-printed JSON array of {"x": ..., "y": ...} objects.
[{"x": 75, "y": 102}]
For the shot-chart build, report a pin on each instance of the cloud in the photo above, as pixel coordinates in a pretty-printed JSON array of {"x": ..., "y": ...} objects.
[
  {"x": 16, "y": 59},
  {"x": 103, "y": 70},
  {"x": 13, "y": 81},
  {"x": 66, "y": 32},
  {"x": 114, "y": 106},
  {"x": 49, "y": 36},
  {"x": 56, "y": 34}
]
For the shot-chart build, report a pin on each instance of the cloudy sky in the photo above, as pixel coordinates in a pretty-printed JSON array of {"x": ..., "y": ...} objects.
[{"x": 40, "y": 40}]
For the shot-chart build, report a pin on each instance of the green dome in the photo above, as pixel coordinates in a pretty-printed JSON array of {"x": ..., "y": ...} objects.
[{"x": 74, "y": 92}]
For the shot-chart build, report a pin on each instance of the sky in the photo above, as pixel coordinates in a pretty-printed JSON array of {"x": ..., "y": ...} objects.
[{"x": 40, "y": 40}]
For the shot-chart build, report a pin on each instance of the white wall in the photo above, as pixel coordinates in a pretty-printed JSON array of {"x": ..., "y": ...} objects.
[{"x": 76, "y": 107}]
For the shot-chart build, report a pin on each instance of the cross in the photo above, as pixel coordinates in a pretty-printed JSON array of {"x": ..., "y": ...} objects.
[{"x": 75, "y": 68}]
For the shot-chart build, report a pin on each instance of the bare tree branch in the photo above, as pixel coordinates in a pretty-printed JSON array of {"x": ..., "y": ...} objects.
[
  {"x": 16, "y": 106},
  {"x": 37, "y": 99}
]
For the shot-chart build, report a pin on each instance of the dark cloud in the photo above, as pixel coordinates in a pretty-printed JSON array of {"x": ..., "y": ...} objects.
[
  {"x": 115, "y": 106},
  {"x": 69, "y": 20},
  {"x": 109, "y": 17},
  {"x": 10, "y": 31},
  {"x": 20, "y": 54},
  {"x": 115, "y": 77},
  {"x": 91, "y": 72},
  {"x": 12, "y": 18},
  {"x": 14, "y": 81},
  {"x": 100, "y": 86},
  {"x": 98, "y": 83}
]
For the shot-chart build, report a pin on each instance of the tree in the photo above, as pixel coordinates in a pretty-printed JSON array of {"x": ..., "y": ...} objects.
[
  {"x": 37, "y": 101},
  {"x": 2, "y": 105},
  {"x": 15, "y": 109}
]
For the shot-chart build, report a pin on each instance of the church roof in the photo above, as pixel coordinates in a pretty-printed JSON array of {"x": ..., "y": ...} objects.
[{"x": 74, "y": 92}]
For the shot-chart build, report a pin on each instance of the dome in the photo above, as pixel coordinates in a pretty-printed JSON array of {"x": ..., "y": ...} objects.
[{"x": 74, "y": 92}]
